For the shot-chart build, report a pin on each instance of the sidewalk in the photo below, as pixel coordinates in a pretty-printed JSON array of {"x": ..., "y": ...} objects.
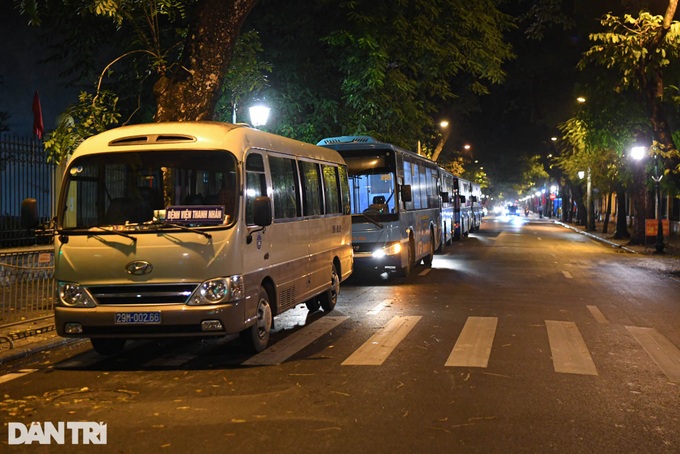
[
  {"x": 33, "y": 336},
  {"x": 671, "y": 250},
  {"x": 24, "y": 339}
]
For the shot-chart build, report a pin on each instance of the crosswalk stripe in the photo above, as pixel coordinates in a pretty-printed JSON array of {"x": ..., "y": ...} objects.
[
  {"x": 13, "y": 375},
  {"x": 569, "y": 351},
  {"x": 473, "y": 346},
  {"x": 378, "y": 307},
  {"x": 376, "y": 349},
  {"x": 661, "y": 350},
  {"x": 278, "y": 353}
]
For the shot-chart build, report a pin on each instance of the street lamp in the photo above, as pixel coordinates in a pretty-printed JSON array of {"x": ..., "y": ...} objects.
[
  {"x": 445, "y": 135},
  {"x": 259, "y": 114},
  {"x": 638, "y": 153},
  {"x": 659, "y": 246}
]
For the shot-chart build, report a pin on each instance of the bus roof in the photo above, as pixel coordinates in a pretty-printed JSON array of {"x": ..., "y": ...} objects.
[
  {"x": 203, "y": 135},
  {"x": 359, "y": 143}
]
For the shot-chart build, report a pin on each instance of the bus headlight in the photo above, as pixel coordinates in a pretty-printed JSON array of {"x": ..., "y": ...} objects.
[
  {"x": 220, "y": 290},
  {"x": 392, "y": 249},
  {"x": 72, "y": 294}
]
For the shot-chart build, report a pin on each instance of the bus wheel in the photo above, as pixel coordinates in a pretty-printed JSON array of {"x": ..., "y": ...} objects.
[
  {"x": 256, "y": 337},
  {"x": 406, "y": 271},
  {"x": 313, "y": 305},
  {"x": 330, "y": 296},
  {"x": 427, "y": 260},
  {"x": 108, "y": 347}
]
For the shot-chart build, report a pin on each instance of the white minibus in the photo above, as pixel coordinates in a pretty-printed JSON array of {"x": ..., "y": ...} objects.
[{"x": 197, "y": 229}]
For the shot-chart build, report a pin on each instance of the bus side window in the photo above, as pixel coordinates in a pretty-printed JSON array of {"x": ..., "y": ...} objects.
[
  {"x": 285, "y": 185},
  {"x": 331, "y": 190},
  {"x": 256, "y": 184},
  {"x": 311, "y": 188}
]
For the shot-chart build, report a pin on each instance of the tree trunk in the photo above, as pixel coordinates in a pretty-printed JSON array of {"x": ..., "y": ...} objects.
[
  {"x": 581, "y": 215},
  {"x": 190, "y": 91},
  {"x": 607, "y": 214},
  {"x": 639, "y": 197},
  {"x": 566, "y": 203},
  {"x": 621, "y": 221}
]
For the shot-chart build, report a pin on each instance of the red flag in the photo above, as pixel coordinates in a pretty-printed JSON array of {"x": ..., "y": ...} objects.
[{"x": 38, "y": 127}]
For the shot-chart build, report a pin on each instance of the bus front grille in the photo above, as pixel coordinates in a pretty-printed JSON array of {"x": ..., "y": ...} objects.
[{"x": 142, "y": 294}]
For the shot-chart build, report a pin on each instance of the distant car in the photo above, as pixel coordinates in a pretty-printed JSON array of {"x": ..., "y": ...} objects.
[{"x": 513, "y": 210}]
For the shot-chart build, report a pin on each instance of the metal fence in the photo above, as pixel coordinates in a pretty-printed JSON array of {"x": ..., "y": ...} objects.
[
  {"x": 24, "y": 173},
  {"x": 26, "y": 284}
]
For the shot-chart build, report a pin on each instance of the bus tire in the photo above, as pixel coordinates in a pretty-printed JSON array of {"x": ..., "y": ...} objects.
[
  {"x": 410, "y": 261},
  {"x": 313, "y": 304},
  {"x": 427, "y": 260},
  {"x": 256, "y": 337},
  {"x": 329, "y": 298},
  {"x": 108, "y": 347}
]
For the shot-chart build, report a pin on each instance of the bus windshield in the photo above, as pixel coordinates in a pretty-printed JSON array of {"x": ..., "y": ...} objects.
[
  {"x": 184, "y": 187},
  {"x": 372, "y": 184}
]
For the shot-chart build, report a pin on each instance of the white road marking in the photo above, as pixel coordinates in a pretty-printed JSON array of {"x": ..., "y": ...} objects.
[
  {"x": 376, "y": 349},
  {"x": 278, "y": 353},
  {"x": 473, "y": 346},
  {"x": 378, "y": 307},
  {"x": 567, "y": 274},
  {"x": 599, "y": 316},
  {"x": 661, "y": 350},
  {"x": 425, "y": 272},
  {"x": 11, "y": 376},
  {"x": 569, "y": 351}
]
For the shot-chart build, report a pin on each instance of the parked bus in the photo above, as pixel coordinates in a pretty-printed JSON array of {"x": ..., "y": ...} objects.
[
  {"x": 468, "y": 209},
  {"x": 395, "y": 200},
  {"x": 462, "y": 208},
  {"x": 197, "y": 229}
]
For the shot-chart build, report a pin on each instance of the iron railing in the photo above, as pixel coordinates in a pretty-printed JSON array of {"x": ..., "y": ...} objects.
[{"x": 26, "y": 284}]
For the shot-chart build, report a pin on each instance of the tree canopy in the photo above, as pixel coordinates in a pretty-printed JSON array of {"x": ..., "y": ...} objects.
[{"x": 379, "y": 67}]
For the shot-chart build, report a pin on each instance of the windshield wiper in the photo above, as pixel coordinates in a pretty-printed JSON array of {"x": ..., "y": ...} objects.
[
  {"x": 372, "y": 221},
  {"x": 117, "y": 232},
  {"x": 181, "y": 227}
]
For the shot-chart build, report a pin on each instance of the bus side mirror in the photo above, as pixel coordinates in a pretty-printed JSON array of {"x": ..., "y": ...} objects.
[
  {"x": 29, "y": 214},
  {"x": 262, "y": 211},
  {"x": 445, "y": 197},
  {"x": 406, "y": 193}
]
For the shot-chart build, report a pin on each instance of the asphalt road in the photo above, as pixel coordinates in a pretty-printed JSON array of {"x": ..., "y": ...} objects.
[{"x": 522, "y": 338}]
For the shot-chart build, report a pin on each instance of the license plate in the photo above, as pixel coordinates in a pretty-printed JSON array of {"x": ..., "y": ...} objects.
[{"x": 137, "y": 318}]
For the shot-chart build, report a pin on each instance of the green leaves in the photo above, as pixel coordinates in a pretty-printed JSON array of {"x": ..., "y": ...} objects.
[{"x": 90, "y": 116}]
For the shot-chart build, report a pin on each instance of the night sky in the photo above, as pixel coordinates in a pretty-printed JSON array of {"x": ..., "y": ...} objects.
[{"x": 22, "y": 72}]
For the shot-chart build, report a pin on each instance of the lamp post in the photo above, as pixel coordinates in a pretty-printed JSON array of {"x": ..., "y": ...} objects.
[
  {"x": 637, "y": 153},
  {"x": 659, "y": 246}
]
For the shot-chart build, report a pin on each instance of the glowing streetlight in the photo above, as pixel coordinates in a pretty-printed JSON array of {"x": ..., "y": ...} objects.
[
  {"x": 638, "y": 152},
  {"x": 259, "y": 114},
  {"x": 444, "y": 124}
]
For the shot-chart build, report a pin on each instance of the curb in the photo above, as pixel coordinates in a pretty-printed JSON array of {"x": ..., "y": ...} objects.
[
  {"x": 597, "y": 238},
  {"x": 20, "y": 352}
]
